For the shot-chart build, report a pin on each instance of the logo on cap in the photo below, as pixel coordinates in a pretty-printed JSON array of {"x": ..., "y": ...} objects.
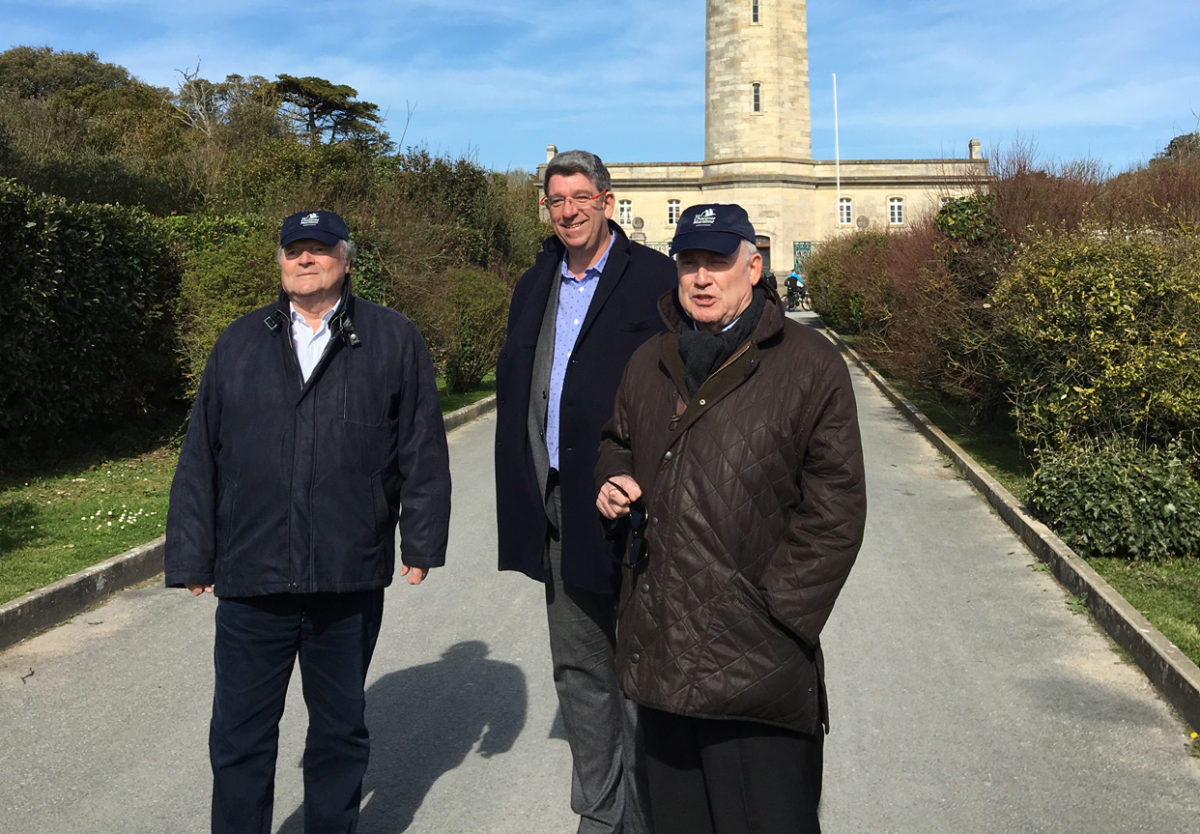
[
  {"x": 705, "y": 218},
  {"x": 313, "y": 219}
]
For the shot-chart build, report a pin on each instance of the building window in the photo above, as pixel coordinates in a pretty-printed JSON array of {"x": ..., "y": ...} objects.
[
  {"x": 845, "y": 211},
  {"x": 757, "y": 97},
  {"x": 754, "y": 11},
  {"x": 625, "y": 212},
  {"x": 896, "y": 211},
  {"x": 672, "y": 212}
]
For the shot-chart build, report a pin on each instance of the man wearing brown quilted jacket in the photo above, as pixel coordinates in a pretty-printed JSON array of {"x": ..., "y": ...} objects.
[{"x": 733, "y": 461}]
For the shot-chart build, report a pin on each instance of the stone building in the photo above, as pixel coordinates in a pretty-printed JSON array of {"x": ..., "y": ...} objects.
[{"x": 758, "y": 149}]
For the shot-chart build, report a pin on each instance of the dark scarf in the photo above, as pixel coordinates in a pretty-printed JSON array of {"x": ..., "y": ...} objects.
[{"x": 703, "y": 351}]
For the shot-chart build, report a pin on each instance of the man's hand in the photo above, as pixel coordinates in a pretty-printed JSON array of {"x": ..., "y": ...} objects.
[
  {"x": 197, "y": 590},
  {"x": 617, "y": 494},
  {"x": 415, "y": 575}
]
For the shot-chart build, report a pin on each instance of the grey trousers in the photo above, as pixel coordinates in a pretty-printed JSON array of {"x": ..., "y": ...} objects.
[{"x": 601, "y": 724}]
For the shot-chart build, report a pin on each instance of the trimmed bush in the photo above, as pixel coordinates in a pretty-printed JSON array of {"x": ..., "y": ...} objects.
[
  {"x": 849, "y": 283},
  {"x": 229, "y": 270},
  {"x": 463, "y": 321},
  {"x": 973, "y": 243},
  {"x": 975, "y": 250},
  {"x": 1114, "y": 498},
  {"x": 85, "y": 329},
  {"x": 1099, "y": 336}
]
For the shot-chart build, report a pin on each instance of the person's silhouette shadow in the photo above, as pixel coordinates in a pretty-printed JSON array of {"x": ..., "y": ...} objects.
[{"x": 424, "y": 721}]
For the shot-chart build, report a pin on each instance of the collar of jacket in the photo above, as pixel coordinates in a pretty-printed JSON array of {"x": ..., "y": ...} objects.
[
  {"x": 732, "y": 373},
  {"x": 619, "y": 259},
  {"x": 341, "y": 325},
  {"x": 555, "y": 247}
]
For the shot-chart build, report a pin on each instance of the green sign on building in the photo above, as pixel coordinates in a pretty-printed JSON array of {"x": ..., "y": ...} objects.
[{"x": 801, "y": 249}]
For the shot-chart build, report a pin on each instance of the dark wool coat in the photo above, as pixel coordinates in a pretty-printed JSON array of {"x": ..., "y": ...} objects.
[
  {"x": 292, "y": 487},
  {"x": 756, "y": 504},
  {"x": 622, "y": 315}
]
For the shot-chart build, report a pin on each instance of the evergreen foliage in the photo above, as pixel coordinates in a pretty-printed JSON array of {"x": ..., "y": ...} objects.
[
  {"x": 1099, "y": 337},
  {"x": 1117, "y": 497},
  {"x": 1072, "y": 302},
  {"x": 220, "y": 163},
  {"x": 86, "y": 328}
]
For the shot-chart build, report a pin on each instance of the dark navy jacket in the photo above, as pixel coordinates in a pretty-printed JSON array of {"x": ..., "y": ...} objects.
[
  {"x": 291, "y": 487},
  {"x": 622, "y": 315}
]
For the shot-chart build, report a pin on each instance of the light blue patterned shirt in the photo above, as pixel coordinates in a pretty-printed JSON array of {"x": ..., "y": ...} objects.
[{"x": 574, "y": 298}]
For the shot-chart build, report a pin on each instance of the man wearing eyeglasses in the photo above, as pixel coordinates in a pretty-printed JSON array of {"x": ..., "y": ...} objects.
[
  {"x": 734, "y": 448},
  {"x": 576, "y": 316}
]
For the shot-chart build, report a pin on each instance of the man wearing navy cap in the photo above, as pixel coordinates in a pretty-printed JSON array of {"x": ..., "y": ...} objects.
[
  {"x": 316, "y": 429},
  {"x": 734, "y": 453}
]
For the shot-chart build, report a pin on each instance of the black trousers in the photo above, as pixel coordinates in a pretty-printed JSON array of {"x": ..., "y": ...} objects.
[
  {"x": 709, "y": 776},
  {"x": 258, "y": 640}
]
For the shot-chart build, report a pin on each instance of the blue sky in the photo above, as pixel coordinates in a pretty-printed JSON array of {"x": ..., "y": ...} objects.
[{"x": 497, "y": 80}]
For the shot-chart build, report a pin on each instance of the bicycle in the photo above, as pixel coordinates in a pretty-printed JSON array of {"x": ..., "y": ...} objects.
[{"x": 797, "y": 294}]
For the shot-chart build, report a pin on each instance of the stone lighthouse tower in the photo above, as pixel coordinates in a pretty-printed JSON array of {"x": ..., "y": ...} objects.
[
  {"x": 756, "y": 81},
  {"x": 758, "y": 150}
]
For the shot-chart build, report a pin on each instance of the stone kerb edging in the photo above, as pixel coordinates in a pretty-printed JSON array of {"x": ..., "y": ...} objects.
[
  {"x": 1169, "y": 669},
  {"x": 61, "y": 600},
  {"x": 57, "y": 602},
  {"x": 469, "y": 412}
]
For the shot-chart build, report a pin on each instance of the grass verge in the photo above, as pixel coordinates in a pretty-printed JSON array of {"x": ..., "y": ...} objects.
[
  {"x": 85, "y": 507},
  {"x": 1167, "y": 594},
  {"x": 993, "y": 446}
]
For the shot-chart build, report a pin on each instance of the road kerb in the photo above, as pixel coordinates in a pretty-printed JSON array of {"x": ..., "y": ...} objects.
[
  {"x": 1168, "y": 668},
  {"x": 56, "y": 603}
]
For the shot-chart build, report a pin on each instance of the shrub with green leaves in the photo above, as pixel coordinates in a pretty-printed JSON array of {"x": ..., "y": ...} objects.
[
  {"x": 1115, "y": 498},
  {"x": 974, "y": 250},
  {"x": 849, "y": 283},
  {"x": 229, "y": 270},
  {"x": 464, "y": 325},
  {"x": 973, "y": 243},
  {"x": 85, "y": 328},
  {"x": 1100, "y": 335}
]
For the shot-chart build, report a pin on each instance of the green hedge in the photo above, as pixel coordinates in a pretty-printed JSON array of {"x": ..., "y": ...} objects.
[
  {"x": 1115, "y": 498},
  {"x": 464, "y": 326},
  {"x": 1100, "y": 336},
  {"x": 85, "y": 327},
  {"x": 229, "y": 270},
  {"x": 849, "y": 282}
]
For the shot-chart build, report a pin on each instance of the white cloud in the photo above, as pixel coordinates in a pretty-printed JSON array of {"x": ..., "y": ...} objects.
[{"x": 508, "y": 76}]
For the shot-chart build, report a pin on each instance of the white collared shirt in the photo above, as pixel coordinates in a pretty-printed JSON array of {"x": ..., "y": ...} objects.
[{"x": 310, "y": 344}]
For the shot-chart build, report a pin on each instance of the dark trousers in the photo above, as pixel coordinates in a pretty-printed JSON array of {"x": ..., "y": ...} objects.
[
  {"x": 599, "y": 721},
  {"x": 709, "y": 776},
  {"x": 257, "y": 642}
]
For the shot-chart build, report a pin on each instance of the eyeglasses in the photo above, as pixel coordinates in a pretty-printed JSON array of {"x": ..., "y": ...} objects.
[
  {"x": 579, "y": 201},
  {"x": 637, "y": 539}
]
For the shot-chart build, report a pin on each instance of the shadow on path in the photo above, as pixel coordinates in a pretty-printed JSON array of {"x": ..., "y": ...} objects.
[{"x": 424, "y": 721}]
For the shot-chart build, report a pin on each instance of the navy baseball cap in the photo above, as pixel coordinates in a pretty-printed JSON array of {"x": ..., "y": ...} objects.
[
  {"x": 324, "y": 226},
  {"x": 712, "y": 226}
]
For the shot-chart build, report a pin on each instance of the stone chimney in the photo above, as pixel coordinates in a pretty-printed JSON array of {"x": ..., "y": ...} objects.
[{"x": 973, "y": 149}]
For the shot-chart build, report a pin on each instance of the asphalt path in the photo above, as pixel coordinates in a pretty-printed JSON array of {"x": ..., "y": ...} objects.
[{"x": 965, "y": 694}]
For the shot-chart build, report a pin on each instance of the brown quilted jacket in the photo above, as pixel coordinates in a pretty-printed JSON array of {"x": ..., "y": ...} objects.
[{"x": 756, "y": 503}]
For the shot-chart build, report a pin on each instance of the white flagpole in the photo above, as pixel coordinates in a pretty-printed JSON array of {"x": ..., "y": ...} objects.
[{"x": 837, "y": 159}]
